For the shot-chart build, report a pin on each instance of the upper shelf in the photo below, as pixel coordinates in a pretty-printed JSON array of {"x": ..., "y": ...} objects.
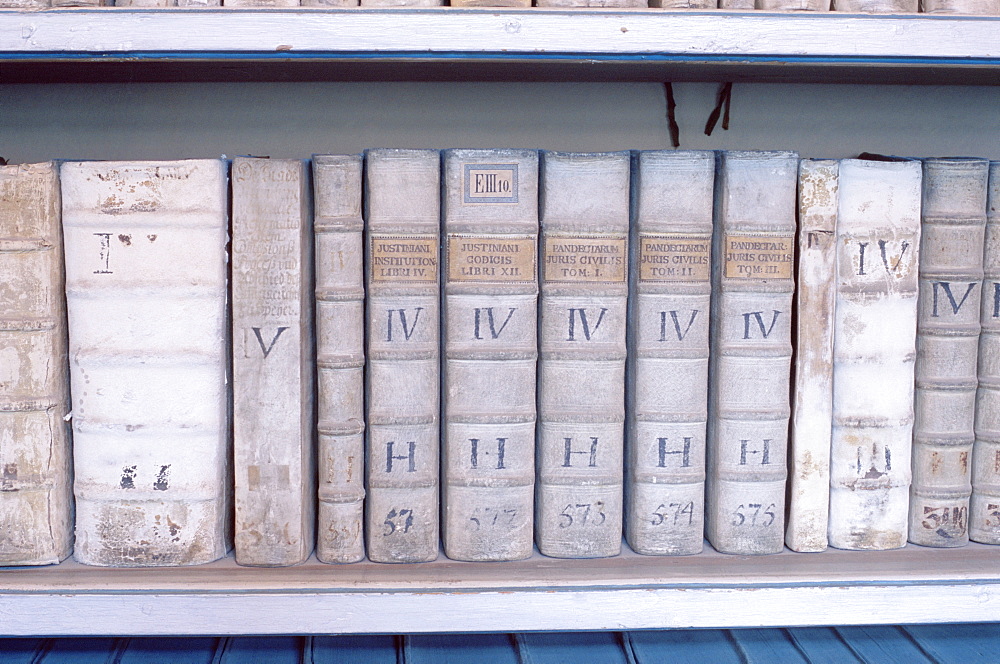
[{"x": 497, "y": 43}]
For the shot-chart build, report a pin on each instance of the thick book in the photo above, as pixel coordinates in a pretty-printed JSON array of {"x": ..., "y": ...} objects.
[
  {"x": 610, "y": 4},
  {"x": 794, "y": 5},
  {"x": 273, "y": 367},
  {"x": 167, "y": 3},
  {"x": 668, "y": 344},
  {"x": 340, "y": 356},
  {"x": 812, "y": 382},
  {"x": 489, "y": 327},
  {"x": 984, "y": 506},
  {"x": 874, "y": 349},
  {"x": 146, "y": 299},
  {"x": 987, "y": 7},
  {"x": 584, "y": 217},
  {"x": 876, "y": 6},
  {"x": 750, "y": 364},
  {"x": 402, "y": 218},
  {"x": 953, "y": 223},
  {"x": 36, "y": 496}
]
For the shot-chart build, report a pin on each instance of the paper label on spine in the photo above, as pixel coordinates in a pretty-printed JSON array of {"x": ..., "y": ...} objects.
[
  {"x": 490, "y": 183},
  {"x": 403, "y": 259},
  {"x": 585, "y": 259},
  {"x": 758, "y": 256},
  {"x": 505, "y": 259},
  {"x": 674, "y": 258}
]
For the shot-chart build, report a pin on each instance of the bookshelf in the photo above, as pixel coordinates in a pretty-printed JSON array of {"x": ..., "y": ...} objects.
[{"x": 111, "y": 83}]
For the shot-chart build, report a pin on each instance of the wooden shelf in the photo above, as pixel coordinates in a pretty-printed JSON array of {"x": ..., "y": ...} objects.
[
  {"x": 492, "y": 44},
  {"x": 711, "y": 590}
]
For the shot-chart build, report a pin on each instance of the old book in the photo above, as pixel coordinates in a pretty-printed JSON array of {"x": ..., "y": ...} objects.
[
  {"x": 584, "y": 215},
  {"x": 24, "y": 4},
  {"x": 615, "y": 4},
  {"x": 812, "y": 384},
  {"x": 874, "y": 348},
  {"x": 794, "y": 5},
  {"x": 167, "y": 3},
  {"x": 36, "y": 497},
  {"x": 984, "y": 507},
  {"x": 668, "y": 359},
  {"x": 329, "y": 3},
  {"x": 684, "y": 4},
  {"x": 490, "y": 3},
  {"x": 490, "y": 296},
  {"x": 987, "y": 7},
  {"x": 340, "y": 357},
  {"x": 876, "y": 6},
  {"x": 953, "y": 223},
  {"x": 148, "y": 338},
  {"x": 748, "y": 404},
  {"x": 402, "y": 3},
  {"x": 403, "y": 206},
  {"x": 273, "y": 367},
  {"x": 736, "y": 4},
  {"x": 237, "y": 4}
]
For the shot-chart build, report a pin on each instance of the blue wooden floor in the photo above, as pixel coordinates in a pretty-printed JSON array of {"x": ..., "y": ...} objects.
[{"x": 921, "y": 644}]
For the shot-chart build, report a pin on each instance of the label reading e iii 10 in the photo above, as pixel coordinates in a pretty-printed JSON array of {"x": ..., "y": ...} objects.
[{"x": 490, "y": 183}]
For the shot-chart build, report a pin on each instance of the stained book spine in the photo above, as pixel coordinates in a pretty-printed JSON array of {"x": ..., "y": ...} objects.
[
  {"x": 878, "y": 240},
  {"x": 753, "y": 253},
  {"x": 984, "y": 507},
  {"x": 812, "y": 401},
  {"x": 148, "y": 337},
  {"x": 36, "y": 501},
  {"x": 668, "y": 363},
  {"x": 581, "y": 368},
  {"x": 273, "y": 368},
  {"x": 951, "y": 273},
  {"x": 340, "y": 357},
  {"x": 490, "y": 298},
  {"x": 402, "y": 205}
]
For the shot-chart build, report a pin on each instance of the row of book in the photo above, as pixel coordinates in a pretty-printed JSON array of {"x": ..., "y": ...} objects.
[
  {"x": 987, "y": 7},
  {"x": 307, "y": 383}
]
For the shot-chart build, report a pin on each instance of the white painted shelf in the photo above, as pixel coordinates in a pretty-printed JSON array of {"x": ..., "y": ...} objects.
[
  {"x": 711, "y": 590},
  {"x": 594, "y": 44},
  {"x": 912, "y": 585}
]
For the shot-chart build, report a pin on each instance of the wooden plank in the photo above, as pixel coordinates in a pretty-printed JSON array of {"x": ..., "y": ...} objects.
[
  {"x": 79, "y": 651},
  {"x": 885, "y": 644},
  {"x": 822, "y": 645},
  {"x": 261, "y": 650},
  {"x": 284, "y": 33},
  {"x": 766, "y": 646},
  {"x": 683, "y": 645},
  {"x": 379, "y": 649},
  {"x": 21, "y": 651},
  {"x": 957, "y": 644},
  {"x": 561, "y": 647},
  {"x": 177, "y": 650},
  {"x": 976, "y": 564},
  {"x": 459, "y": 649}
]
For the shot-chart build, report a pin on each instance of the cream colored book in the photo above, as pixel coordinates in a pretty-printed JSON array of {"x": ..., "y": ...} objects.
[
  {"x": 684, "y": 4},
  {"x": 984, "y": 506},
  {"x": 987, "y": 7},
  {"x": 584, "y": 216},
  {"x": 402, "y": 3},
  {"x": 794, "y": 5},
  {"x": 812, "y": 385},
  {"x": 876, "y": 6},
  {"x": 257, "y": 4},
  {"x": 668, "y": 352},
  {"x": 36, "y": 483},
  {"x": 273, "y": 367},
  {"x": 148, "y": 340},
  {"x": 610, "y": 4},
  {"x": 340, "y": 357},
  {"x": 748, "y": 403},
  {"x": 874, "y": 349},
  {"x": 402, "y": 216},
  {"x": 490, "y": 349},
  {"x": 953, "y": 223},
  {"x": 167, "y": 3}
]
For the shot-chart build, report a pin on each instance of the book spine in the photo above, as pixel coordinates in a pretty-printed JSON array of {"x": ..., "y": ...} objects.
[
  {"x": 581, "y": 369},
  {"x": 876, "y": 6},
  {"x": 878, "y": 240},
  {"x": 985, "y": 7},
  {"x": 668, "y": 364},
  {"x": 36, "y": 500},
  {"x": 953, "y": 224},
  {"x": 984, "y": 507},
  {"x": 273, "y": 368},
  {"x": 402, "y": 202},
  {"x": 340, "y": 357},
  {"x": 812, "y": 403},
  {"x": 752, "y": 264},
  {"x": 148, "y": 337},
  {"x": 490, "y": 335}
]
